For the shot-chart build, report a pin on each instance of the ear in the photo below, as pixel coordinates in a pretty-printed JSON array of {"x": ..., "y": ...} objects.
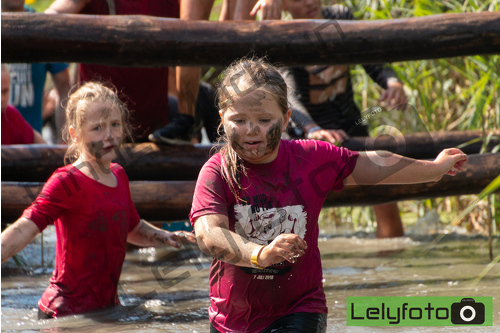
[
  {"x": 286, "y": 119},
  {"x": 72, "y": 133}
]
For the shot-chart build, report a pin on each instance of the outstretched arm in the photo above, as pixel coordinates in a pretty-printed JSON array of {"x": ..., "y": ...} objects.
[
  {"x": 215, "y": 239},
  {"x": 17, "y": 236},
  {"x": 383, "y": 167},
  {"x": 146, "y": 234}
]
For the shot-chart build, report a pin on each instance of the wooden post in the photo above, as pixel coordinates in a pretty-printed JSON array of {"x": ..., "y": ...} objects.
[
  {"x": 147, "y": 41},
  {"x": 148, "y": 161},
  {"x": 171, "y": 200}
]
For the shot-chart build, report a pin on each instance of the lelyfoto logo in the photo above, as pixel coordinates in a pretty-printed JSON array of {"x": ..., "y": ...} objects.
[{"x": 419, "y": 311}]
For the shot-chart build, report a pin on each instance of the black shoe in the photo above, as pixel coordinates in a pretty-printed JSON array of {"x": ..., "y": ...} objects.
[{"x": 178, "y": 132}]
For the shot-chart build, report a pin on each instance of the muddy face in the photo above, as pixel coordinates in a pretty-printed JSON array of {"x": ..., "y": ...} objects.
[{"x": 254, "y": 124}]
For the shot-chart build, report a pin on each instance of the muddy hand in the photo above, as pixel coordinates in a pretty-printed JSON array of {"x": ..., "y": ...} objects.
[{"x": 287, "y": 247}]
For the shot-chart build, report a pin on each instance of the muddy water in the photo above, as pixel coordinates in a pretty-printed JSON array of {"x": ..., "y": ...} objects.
[{"x": 159, "y": 296}]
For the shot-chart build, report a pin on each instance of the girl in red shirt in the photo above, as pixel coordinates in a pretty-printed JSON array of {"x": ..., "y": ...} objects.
[
  {"x": 90, "y": 205},
  {"x": 257, "y": 202}
]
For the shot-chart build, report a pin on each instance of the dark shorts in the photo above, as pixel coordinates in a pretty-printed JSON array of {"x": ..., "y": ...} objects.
[{"x": 299, "y": 322}]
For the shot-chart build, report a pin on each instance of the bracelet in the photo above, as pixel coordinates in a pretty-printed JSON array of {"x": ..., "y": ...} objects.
[
  {"x": 314, "y": 129},
  {"x": 255, "y": 256}
]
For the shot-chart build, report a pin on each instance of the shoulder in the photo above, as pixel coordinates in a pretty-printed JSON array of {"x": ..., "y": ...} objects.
[
  {"x": 338, "y": 12},
  {"x": 321, "y": 149},
  {"x": 66, "y": 172},
  {"x": 12, "y": 112},
  {"x": 118, "y": 171},
  {"x": 66, "y": 179},
  {"x": 212, "y": 170},
  {"x": 303, "y": 145},
  {"x": 215, "y": 161}
]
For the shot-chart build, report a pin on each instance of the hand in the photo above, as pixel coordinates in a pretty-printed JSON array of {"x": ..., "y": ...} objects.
[
  {"x": 394, "y": 95},
  {"x": 271, "y": 9},
  {"x": 450, "y": 161},
  {"x": 336, "y": 137},
  {"x": 177, "y": 238},
  {"x": 284, "y": 247}
]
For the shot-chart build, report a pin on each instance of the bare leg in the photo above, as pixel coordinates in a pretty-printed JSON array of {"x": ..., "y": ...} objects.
[
  {"x": 388, "y": 221},
  {"x": 180, "y": 129},
  {"x": 188, "y": 78},
  {"x": 243, "y": 9}
]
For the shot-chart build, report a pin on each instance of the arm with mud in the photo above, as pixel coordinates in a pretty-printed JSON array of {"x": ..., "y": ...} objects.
[
  {"x": 383, "y": 167},
  {"x": 146, "y": 234},
  {"x": 215, "y": 239},
  {"x": 17, "y": 236}
]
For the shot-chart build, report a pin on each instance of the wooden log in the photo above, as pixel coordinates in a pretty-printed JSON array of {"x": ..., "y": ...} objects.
[
  {"x": 147, "y": 161},
  {"x": 171, "y": 200},
  {"x": 151, "y": 41}
]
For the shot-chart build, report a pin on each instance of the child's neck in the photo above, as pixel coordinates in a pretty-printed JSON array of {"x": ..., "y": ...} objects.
[{"x": 96, "y": 169}]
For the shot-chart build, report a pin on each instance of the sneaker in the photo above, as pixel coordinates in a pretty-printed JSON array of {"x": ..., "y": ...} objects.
[{"x": 178, "y": 132}]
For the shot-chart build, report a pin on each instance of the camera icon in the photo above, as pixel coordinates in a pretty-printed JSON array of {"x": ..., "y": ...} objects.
[{"x": 467, "y": 312}]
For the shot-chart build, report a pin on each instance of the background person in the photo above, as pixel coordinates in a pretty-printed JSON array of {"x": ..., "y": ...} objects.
[
  {"x": 28, "y": 82},
  {"x": 188, "y": 78},
  {"x": 325, "y": 107},
  {"x": 15, "y": 129},
  {"x": 144, "y": 89}
]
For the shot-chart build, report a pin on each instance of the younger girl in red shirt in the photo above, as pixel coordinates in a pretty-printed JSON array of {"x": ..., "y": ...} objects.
[{"x": 90, "y": 205}]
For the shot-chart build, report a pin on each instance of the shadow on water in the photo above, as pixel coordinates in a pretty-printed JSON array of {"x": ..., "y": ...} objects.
[{"x": 167, "y": 291}]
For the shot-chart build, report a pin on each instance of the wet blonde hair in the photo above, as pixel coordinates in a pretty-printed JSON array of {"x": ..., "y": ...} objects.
[
  {"x": 239, "y": 79},
  {"x": 79, "y": 103}
]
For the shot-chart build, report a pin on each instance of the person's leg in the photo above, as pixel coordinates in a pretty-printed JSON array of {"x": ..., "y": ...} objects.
[
  {"x": 207, "y": 111},
  {"x": 180, "y": 130},
  {"x": 299, "y": 322},
  {"x": 242, "y": 10},
  {"x": 388, "y": 221}
]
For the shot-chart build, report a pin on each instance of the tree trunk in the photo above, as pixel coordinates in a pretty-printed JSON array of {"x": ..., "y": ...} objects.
[
  {"x": 146, "y": 41},
  {"x": 147, "y": 161},
  {"x": 171, "y": 200}
]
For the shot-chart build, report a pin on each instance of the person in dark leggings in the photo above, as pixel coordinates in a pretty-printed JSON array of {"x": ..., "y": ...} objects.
[
  {"x": 206, "y": 112},
  {"x": 325, "y": 107}
]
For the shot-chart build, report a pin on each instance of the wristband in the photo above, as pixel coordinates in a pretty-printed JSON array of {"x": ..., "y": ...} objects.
[
  {"x": 255, "y": 255},
  {"x": 314, "y": 129}
]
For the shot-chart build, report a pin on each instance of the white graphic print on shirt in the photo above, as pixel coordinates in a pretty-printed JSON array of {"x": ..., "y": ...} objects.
[{"x": 264, "y": 225}]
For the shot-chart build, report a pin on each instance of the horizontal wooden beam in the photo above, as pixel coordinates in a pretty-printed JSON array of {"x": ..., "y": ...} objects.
[
  {"x": 171, "y": 200},
  {"x": 151, "y": 41},
  {"x": 148, "y": 161}
]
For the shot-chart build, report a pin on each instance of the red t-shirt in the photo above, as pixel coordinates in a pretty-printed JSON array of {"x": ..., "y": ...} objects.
[
  {"x": 284, "y": 196},
  {"x": 92, "y": 222},
  {"x": 145, "y": 90},
  {"x": 15, "y": 129}
]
